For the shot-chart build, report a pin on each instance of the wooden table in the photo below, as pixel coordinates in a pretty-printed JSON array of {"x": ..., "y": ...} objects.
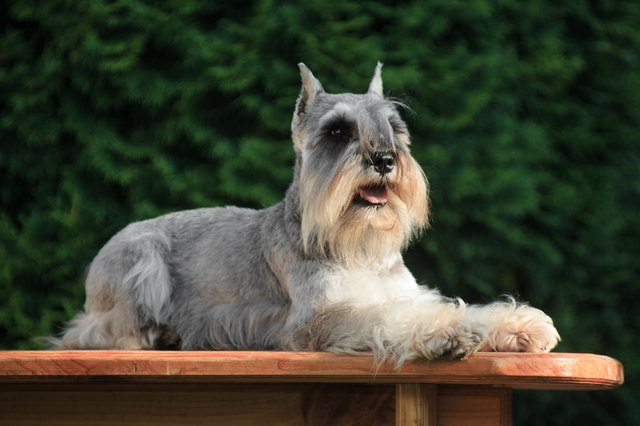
[{"x": 279, "y": 388}]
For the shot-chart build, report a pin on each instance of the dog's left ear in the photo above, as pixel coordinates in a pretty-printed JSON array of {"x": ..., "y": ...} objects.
[
  {"x": 311, "y": 87},
  {"x": 375, "y": 87}
]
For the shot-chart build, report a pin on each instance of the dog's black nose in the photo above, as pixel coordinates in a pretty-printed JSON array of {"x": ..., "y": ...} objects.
[{"x": 383, "y": 161}]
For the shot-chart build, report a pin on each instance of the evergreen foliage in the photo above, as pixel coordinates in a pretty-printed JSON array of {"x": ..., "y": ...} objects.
[{"x": 526, "y": 119}]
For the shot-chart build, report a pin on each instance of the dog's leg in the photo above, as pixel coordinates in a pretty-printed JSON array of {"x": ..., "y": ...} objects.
[
  {"x": 512, "y": 327},
  {"x": 113, "y": 329},
  {"x": 128, "y": 287},
  {"x": 402, "y": 330}
]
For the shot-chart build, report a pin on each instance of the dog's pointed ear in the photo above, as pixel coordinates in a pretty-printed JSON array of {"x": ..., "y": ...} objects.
[
  {"x": 311, "y": 87},
  {"x": 375, "y": 87}
]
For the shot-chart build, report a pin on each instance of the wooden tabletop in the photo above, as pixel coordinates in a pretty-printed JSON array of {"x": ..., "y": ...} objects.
[{"x": 514, "y": 370}]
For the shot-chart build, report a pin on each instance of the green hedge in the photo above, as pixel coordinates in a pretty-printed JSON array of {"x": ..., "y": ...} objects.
[{"x": 526, "y": 119}]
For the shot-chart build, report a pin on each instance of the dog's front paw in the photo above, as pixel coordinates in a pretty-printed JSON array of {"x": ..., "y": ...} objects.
[
  {"x": 451, "y": 341},
  {"x": 521, "y": 329}
]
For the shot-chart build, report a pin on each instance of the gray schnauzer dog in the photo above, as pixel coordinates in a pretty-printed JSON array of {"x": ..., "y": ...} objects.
[{"x": 320, "y": 270}]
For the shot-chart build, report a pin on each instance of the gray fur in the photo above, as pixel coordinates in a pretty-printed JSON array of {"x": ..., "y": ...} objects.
[{"x": 319, "y": 270}]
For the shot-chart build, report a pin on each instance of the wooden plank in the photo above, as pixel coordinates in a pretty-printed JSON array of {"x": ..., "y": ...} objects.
[
  {"x": 416, "y": 405},
  {"x": 474, "y": 405},
  {"x": 516, "y": 370},
  {"x": 201, "y": 404}
]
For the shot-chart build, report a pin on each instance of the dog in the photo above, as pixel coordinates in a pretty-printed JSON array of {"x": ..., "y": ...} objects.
[{"x": 320, "y": 270}]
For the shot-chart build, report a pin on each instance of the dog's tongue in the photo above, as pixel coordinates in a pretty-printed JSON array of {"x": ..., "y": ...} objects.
[{"x": 374, "y": 194}]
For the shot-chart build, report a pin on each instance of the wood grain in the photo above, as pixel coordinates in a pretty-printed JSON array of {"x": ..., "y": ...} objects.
[
  {"x": 416, "y": 404},
  {"x": 200, "y": 404},
  {"x": 514, "y": 370},
  {"x": 474, "y": 405}
]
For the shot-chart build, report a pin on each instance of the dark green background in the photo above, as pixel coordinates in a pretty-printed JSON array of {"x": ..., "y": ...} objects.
[{"x": 526, "y": 119}]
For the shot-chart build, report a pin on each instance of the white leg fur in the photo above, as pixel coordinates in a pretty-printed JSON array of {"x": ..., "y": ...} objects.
[
  {"x": 386, "y": 312},
  {"x": 512, "y": 327},
  {"x": 407, "y": 329},
  {"x": 400, "y": 330},
  {"x": 422, "y": 327}
]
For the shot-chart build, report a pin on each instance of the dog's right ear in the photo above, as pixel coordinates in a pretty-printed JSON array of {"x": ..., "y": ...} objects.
[
  {"x": 375, "y": 87},
  {"x": 311, "y": 87}
]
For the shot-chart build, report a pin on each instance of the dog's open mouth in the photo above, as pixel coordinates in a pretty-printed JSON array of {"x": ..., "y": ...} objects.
[{"x": 372, "y": 195}]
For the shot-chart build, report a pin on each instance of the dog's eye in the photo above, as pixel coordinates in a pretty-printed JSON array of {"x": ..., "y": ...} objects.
[{"x": 340, "y": 133}]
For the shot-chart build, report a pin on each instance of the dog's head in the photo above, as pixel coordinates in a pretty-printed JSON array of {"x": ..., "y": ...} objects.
[{"x": 362, "y": 195}]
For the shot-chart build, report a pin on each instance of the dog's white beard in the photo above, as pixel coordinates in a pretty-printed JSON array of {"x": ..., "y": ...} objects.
[{"x": 336, "y": 227}]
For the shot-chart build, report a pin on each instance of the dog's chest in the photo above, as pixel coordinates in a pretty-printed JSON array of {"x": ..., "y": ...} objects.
[{"x": 369, "y": 285}]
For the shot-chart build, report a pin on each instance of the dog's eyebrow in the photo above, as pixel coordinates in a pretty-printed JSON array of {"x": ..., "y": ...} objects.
[
  {"x": 397, "y": 124},
  {"x": 340, "y": 112}
]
